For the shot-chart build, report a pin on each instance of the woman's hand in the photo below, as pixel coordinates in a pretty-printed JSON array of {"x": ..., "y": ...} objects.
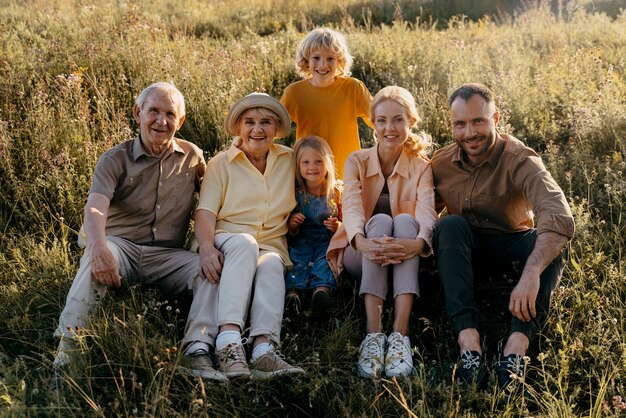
[
  {"x": 332, "y": 224},
  {"x": 211, "y": 262},
  {"x": 381, "y": 250},
  {"x": 294, "y": 222},
  {"x": 410, "y": 247}
]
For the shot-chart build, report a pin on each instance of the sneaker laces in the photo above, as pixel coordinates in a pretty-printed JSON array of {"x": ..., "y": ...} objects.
[
  {"x": 514, "y": 365},
  {"x": 396, "y": 346},
  {"x": 372, "y": 348},
  {"x": 233, "y": 353},
  {"x": 468, "y": 360}
]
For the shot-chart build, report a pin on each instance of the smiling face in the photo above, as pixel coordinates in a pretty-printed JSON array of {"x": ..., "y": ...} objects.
[
  {"x": 312, "y": 167},
  {"x": 322, "y": 67},
  {"x": 257, "y": 129},
  {"x": 474, "y": 127},
  {"x": 392, "y": 124},
  {"x": 159, "y": 118}
]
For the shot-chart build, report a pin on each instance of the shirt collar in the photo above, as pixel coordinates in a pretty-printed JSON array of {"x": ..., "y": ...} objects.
[
  {"x": 232, "y": 152},
  {"x": 494, "y": 157},
  {"x": 139, "y": 151},
  {"x": 401, "y": 167}
]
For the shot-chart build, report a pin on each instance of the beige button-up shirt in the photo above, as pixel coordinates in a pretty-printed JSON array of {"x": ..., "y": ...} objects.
[
  {"x": 503, "y": 194},
  {"x": 244, "y": 200},
  {"x": 151, "y": 198}
]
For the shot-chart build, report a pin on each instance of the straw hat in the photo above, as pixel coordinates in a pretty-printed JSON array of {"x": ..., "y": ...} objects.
[{"x": 258, "y": 100}]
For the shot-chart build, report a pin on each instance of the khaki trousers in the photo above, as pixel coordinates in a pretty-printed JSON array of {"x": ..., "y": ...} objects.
[
  {"x": 174, "y": 270},
  {"x": 252, "y": 281}
]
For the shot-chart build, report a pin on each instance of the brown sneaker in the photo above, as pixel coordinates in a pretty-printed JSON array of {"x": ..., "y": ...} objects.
[
  {"x": 232, "y": 361},
  {"x": 272, "y": 364},
  {"x": 200, "y": 364}
]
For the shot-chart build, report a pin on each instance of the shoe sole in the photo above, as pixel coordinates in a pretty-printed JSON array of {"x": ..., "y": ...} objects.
[
  {"x": 367, "y": 375},
  {"x": 257, "y": 374},
  {"x": 214, "y": 376}
]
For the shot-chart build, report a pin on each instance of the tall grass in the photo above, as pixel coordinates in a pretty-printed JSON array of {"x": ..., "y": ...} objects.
[{"x": 70, "y": 71}]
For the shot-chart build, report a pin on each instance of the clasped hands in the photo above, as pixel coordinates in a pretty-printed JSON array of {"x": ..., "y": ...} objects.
[{"x": 389, "y": 250}]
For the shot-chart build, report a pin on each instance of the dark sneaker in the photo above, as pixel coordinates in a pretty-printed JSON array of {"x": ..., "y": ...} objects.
[
  {"x": 272, "y": 364},
  {"x": 200, "y": 364},
  {"x": 511, "y": 370},
  {"x": 472, "y": 369},
  {"x": 293, "y": 306},
  {"x": 320, "y": 302}
]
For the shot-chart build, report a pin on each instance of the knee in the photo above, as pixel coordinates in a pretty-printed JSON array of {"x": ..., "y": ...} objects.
[
  {"x": 242, "y": 243},
  {"x": 451, "y": 229},
  {"x": 405, "y": 226},
  {"x": 379, "y": 225}
]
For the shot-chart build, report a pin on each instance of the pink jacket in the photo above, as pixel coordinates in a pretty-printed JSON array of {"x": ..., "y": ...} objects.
[{"x": 411, "y": 191}]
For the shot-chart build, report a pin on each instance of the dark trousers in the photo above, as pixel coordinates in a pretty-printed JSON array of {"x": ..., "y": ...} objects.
[{"x": 465, "y": 256}]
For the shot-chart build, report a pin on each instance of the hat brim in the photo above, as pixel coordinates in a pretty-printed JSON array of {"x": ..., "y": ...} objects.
[{"x": 254, "y": 100}]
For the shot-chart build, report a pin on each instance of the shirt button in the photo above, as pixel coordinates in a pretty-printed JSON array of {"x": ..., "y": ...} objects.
[
  {"x": 154, "y": 229},
  {"x": 158, "y": 207},
  {"x": 467, "y": 198},
  {"x": 160, "y": 184}
]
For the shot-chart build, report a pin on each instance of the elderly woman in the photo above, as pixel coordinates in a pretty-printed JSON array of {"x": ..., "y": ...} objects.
[
  {"x": 388, "y": 218},
  {"x": 246, "y": 197}
]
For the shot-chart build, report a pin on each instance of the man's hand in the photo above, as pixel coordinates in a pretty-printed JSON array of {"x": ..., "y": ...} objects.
[
  {"x": 211, "y": 262},
  {"x": 104, "y": 267},
  {"x": 332, "y": 224},
  {"x": 523, "y": 298},
  {"x": 294, "y": 222}
]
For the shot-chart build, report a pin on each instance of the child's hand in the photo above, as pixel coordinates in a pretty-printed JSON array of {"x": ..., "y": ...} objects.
[
  {"x": 294, "y": 222},
  {"x": 331, "y": 224}
]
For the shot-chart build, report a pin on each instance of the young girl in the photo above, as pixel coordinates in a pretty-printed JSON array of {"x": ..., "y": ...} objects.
[
  {"x": 327, "y": 102},
  {"x": 312, "y": 225}
]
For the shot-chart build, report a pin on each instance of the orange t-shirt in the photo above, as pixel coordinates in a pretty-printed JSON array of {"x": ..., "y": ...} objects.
[{"x": 331, "y": 113}]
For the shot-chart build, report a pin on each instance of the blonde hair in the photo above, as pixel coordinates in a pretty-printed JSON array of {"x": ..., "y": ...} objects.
[
  {"x": 262, "y": 112},
  {"x": 417, "y": 143},
  {"x": 321, "y": 146},
  {"x": 323, "y": 38}
]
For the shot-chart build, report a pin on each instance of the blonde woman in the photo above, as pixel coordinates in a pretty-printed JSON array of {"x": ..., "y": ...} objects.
[{"x": 388, "y": 218}]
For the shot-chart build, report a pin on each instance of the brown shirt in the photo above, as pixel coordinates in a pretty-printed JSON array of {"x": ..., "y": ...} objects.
[
  {"x": 151, "y": 198},
  {"x": 503, "y": 194}
]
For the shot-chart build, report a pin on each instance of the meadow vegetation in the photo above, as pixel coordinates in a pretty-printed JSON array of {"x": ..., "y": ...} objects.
[{"x": 70, "y": 72}]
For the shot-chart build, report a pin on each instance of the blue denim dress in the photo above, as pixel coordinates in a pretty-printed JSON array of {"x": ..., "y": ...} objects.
[{"x": 307, "y": 250}]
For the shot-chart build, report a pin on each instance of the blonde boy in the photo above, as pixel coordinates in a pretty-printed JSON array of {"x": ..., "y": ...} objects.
[{"x": 328, "y": 101}]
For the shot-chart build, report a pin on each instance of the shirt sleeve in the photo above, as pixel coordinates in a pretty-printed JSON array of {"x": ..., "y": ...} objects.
[
  {"x": 548, "y": 201},
  {"x": 425, "y": 208},
  {"x": 287, "y": 101},
  {"x": 106, "y": 176},
  {"x": 363, "y": 102},
  {"x": 213, "y": 185},
  {"x": 351, "y": 199}
]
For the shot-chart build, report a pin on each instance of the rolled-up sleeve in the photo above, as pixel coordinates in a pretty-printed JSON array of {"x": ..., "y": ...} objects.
[
  {"x": 213, "y": 186},
  {"x": 425, "y": 207},
  {"x": 351, "y": 200},
  {"x": 549, "y": 204}
]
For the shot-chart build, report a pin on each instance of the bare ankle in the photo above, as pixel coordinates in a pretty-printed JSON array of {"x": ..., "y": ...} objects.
[{"x": 469, "y": 339}]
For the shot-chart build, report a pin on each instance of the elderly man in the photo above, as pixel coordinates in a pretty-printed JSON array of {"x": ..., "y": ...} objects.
[
  {"x": 136, "y": 219},
  {"x": 491, "y": 185}
]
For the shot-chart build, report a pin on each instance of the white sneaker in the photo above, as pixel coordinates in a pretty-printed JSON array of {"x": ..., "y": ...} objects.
[
  {"x": 399, "y": 359},
  {"x": 372, "y": 355},
  {"x": 65, "y": 350}
]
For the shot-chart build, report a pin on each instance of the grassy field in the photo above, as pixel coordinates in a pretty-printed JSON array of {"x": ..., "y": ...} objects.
[{"x": 69, "y": 73}]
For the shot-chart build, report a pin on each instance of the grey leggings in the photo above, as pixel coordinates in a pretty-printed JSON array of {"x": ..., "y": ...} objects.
[{"x": 375, "y": 278}]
